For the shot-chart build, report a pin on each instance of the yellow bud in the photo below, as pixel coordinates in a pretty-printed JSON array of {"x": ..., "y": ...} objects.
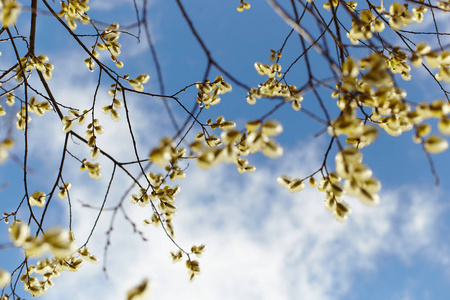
[
  {"x": 119, "y": 64},
  {"x": 37, "y": 199},
  {"x": 272, "y": 128},
  {"x": 444, "y": 125},
  {"x": 4, "y": 278},
  {"x": 143, "y": 78},
  {"x": 284, "y": 180},
  {"x": 435, "y": 144},
  {"x": 423, "y": 130},
  {"x": 296, "y": 185},
  {"x": 18, "y": 233},
  {"x": 312, "y": 182},
  {"x": 253, "y": 126},
  {"x": 160, "y": 156}
]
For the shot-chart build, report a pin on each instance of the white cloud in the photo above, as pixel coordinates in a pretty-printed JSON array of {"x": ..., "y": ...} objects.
[{"x": 263, "y": 243}]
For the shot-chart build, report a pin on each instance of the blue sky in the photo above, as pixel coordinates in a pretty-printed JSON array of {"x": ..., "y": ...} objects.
[{"x": 262, "y": 242}]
